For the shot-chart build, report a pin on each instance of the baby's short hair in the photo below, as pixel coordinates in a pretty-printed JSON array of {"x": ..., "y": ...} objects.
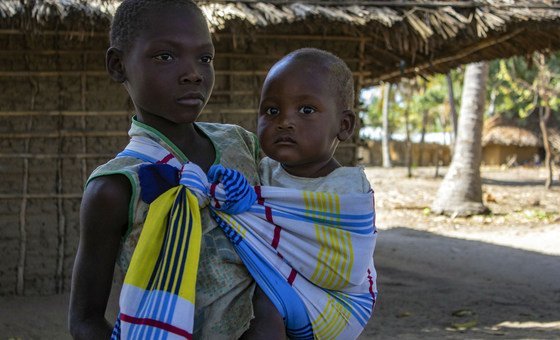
[
  {"x": 339, "y": 77},
  {"x": 129, "y": 19}
]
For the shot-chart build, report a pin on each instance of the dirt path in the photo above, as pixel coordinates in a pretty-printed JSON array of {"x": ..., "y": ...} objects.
[{"x": 486, "y": 277}]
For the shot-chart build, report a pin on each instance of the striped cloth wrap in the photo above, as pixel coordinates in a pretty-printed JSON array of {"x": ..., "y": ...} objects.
[{"x": 310, "y": 252}]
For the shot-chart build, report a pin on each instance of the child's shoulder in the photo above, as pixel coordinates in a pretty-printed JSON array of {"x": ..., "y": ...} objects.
[
  {"x": 223, "y": 128},
  {"x": 231, "y": 134},
  {"x": 350, "y": 179},
  {"x": 127, "y": 166}
]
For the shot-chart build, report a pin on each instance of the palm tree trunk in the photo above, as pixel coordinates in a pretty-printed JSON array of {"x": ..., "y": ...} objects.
[
  {"x": 543, "y": 119},
  {"x": 408, "y": 141},
  {"x": 385, "y": 138},
  {"x": 460, "y": 193},
  {"x": 452, "y": 109},
  {"x": 422, "y": 138}
]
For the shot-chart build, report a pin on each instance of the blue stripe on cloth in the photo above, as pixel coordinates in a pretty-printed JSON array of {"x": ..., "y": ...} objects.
[
  {"x": 360, "y": 227},
  {"x": 232, "y": 235},
  {"x": 240, "y": 195},
  {"x": 358, "y": 304},
  {"x": 130, "y": 153},
  {"x": 191, "y": 181},
  {"x": 116, "y": 333},
  {"x": 302, "y": 333},
  {"x": 326, "y": 214},
  {"x": 320, "y": 214},
  {"x": 274, "y": 285}
]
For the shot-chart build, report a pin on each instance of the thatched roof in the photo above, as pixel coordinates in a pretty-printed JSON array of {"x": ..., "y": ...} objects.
[
  {"x": 511, "y": 135},
  {"x": 400, "y": 38},
  {"x": 500, "y": 130}
]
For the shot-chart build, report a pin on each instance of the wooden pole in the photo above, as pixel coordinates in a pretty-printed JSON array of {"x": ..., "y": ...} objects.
[
  {"x": 20, "y": 285},
  {"x": 59, "y": 274}
]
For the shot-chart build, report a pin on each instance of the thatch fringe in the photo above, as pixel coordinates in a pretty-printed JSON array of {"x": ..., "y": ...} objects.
[
  {"x": 444, "y": 18},
  {"x": 420, "y": 36}
]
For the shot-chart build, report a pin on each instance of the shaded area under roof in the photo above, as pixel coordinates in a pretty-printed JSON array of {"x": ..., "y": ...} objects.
[{"x": 397, "y": 38}]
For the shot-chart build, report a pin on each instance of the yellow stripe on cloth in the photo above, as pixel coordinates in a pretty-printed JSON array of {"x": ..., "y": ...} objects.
[
  {"x": 336, "y": 254},
  {"x": 172, "y": 227},
  {"x": 331, "y": 322}
]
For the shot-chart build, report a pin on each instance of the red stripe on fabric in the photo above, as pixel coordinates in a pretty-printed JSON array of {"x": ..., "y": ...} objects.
[
  {"x": 165, "y": 159},
  {"x": 213, "y": 193},
  {"x": 276, "y": 238},
  {"x": 155, "y": 323},
  {"x": 370, "y": 278},
  {"x": 268, "y": 213},
  {"x": 260, "y": 200},
  {"x": 213, "y": 189},
  {"x": 292, "y": 277}
]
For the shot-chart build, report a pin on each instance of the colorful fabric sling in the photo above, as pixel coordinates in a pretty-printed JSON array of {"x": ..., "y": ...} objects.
[{"x": 310, "y": 252}]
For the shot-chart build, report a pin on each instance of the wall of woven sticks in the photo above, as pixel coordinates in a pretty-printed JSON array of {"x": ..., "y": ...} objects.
[{"x": 61, "y": 116}]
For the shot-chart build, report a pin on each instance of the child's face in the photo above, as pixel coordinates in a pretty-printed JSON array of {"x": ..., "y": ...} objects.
[
  {"x": 299, "y": 117},
  {"x": 169, "y": 71}
]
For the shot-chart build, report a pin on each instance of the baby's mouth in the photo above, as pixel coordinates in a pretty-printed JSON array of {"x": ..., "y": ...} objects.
[{"x": 284, "y": 140}]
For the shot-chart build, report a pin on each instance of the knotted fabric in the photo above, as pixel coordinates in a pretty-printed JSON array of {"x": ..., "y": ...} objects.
[{"x": 310, "y": 252}]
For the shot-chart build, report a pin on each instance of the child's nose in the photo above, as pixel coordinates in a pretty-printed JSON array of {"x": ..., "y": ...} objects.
[
  {"x": 190, "y": 75},
  {"x": 286, "y": 121}
]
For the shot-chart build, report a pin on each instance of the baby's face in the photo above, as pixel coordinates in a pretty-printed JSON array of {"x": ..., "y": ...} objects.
[{"x": 299, "y": 117}]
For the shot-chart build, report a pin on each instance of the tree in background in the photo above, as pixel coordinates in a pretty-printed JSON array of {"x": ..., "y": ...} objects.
[
  {"x": 528, "y": 85},
  {"x": 431, "y": 108},
  {"x": 418, "y": 105},
  {"x": 460, "y": 193},
  {"x": 407, "y": 88},
  {"x": 385, "y": 124}
]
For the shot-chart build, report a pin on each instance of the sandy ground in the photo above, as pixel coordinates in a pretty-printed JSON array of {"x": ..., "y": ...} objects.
[{"x": 485, "y": 277}]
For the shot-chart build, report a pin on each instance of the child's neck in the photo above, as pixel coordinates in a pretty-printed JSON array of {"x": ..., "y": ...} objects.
[
  {"x": 312, "y": 170},
  {"x": 194, "y": 144}
]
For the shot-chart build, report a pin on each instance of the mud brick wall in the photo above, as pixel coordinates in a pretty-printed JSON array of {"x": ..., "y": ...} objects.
[{"x": 61, "y": 116}]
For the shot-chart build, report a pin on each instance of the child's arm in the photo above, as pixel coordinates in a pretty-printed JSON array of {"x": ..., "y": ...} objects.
[
  {"x": 103, "y": 221},
  {"x": 268, "y": 323}
]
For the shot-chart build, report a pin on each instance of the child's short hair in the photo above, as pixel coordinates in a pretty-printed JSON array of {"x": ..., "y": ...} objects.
[
  {"x": 340, "y": 76},
  {"x": 129, "y": 19}
]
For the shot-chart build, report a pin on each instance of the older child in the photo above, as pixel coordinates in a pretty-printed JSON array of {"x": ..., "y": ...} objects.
[{"x": 162, "y": 52}]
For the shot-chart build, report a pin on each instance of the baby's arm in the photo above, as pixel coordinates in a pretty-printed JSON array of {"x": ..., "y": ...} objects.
[{"x": 103, "y": 220}]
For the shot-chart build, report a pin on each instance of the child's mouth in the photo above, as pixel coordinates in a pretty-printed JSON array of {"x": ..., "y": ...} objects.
[
  {"x": 284, "y": 140},
  {"x": 191, "y": 99}
]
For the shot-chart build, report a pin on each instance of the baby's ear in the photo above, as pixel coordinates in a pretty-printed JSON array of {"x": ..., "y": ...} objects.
[
  {"x": 347, "y": 125},
  {"x": 115, "y": 64}
]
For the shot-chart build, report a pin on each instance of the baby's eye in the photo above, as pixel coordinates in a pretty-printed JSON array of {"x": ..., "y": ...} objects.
[
  {"x": 164, "y": 57},
  {"x": 272, "y": 111},
  {"x": 207, "y": 59},
  {"x": 307, "y": 110}
]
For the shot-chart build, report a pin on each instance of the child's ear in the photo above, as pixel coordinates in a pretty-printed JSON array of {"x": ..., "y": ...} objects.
[
  {"x": 115, "y": 64},
  {"x": 347, "y": 125}
]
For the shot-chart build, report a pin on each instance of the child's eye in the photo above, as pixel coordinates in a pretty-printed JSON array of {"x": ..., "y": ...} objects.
[
  {"x": 272, "y": 111},
  {"x": 307, "y": 110},
  {"x": 164, "y": 57},
  {"x": 207, "y": 59}
]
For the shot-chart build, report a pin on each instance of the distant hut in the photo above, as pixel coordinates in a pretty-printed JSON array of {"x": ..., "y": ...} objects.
[
  {"x": 516, "y": 141},
  {"x": 60, "y": 115}
]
